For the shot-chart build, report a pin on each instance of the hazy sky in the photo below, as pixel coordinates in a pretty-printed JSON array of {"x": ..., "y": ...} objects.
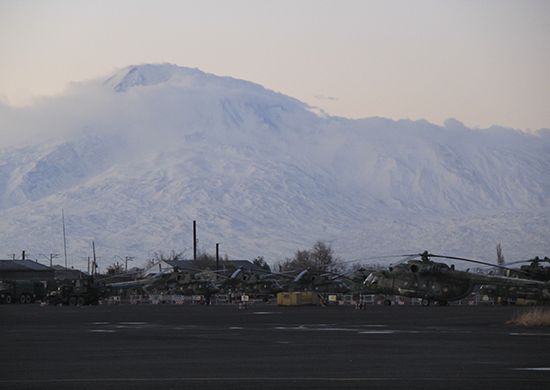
[{"x": 482, "y": 62}]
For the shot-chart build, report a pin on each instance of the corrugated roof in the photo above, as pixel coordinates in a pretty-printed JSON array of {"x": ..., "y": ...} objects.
[
  {"x": 181, "y": 264},
  {"x": 190, "y": 264},
  {"x": 22, "y": 265},
  {"x": 245, "y": 264}
]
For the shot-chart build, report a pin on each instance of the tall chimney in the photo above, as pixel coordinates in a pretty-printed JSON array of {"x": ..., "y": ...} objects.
[{"x": 195, "y": 241}]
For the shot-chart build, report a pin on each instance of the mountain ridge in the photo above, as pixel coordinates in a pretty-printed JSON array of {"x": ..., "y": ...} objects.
[{"x": 265, "y": 176}]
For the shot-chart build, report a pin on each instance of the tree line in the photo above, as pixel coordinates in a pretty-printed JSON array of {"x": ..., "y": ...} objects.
[{"x": 320, "y": 257}]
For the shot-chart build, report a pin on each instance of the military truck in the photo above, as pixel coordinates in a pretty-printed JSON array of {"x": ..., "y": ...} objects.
[
  {"x": 22, "y": 291},
  {"x": 84, "y": 291}
]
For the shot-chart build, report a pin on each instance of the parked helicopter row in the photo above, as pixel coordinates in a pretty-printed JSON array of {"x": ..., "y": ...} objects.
[
  {"x": 246, "y": 281},
  {"x": 173, "y": 280},
  {"x": 415, "y": 276}
]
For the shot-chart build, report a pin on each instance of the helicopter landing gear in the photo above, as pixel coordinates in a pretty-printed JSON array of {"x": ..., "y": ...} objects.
[
  {"x": 387, "y": 302},
  {"x": 425, "y": 302},
  {"x": 442, "y": 303}
]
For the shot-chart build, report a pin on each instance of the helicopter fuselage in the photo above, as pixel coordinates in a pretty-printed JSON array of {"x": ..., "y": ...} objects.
[
  {"x": 413, "y": 285},
  {"x": 251, "y": 283}
]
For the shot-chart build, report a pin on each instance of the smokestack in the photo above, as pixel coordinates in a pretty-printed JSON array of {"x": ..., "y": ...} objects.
[
  {"x": 195, "y": 241},
  {"x": 217, "y": 257}
]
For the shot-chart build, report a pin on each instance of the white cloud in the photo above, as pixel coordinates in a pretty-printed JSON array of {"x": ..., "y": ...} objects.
[{"x": 262, "y": 171}]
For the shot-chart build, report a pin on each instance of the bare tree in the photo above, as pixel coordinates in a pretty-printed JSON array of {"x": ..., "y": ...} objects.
[
  {"x": 283, "y": 265},
  {"x": 204, "y": 260},
  {"x": 149, "y": 263},
  {"x": 302, "y": 259},
  {"x": 320, "y": 258},
  {"x": 115, "y": 269},
  {"x": 323, "y": 258},
  {"x": 260, "y": 262},
  {"x": 161, "y": 256}
]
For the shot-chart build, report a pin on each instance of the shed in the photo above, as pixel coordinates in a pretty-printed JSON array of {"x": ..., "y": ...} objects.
[{"x": 25, "y": 270}]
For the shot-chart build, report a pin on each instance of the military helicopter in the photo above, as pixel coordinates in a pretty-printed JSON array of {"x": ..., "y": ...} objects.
[
  {"x": 531, "y": 271},
  {"x": 170, "y": 280},
  {"x": 317, "y": 281},
  {"x": 355, "y": 281},
  {"x": 249, "y": 282},
  {"x": 438, "y": 282}
]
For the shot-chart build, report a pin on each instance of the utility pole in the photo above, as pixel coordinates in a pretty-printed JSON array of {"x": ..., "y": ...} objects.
[
  {"x": 64, "y": 242},
  {"x": 128, "y": 258},
  {"x": 217, "y": 257},
  {"x": 195, "y": 241},
  {"x": 53, "y": 256},
  {"x": 94, "y": 266}
]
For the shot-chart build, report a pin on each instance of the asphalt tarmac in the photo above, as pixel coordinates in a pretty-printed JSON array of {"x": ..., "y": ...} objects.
[{"x": 269, "y": 347}]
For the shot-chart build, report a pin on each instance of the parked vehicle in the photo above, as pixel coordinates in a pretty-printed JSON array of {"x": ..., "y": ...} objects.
[
  {"x": 84, "y": 291},
  {"x": 22, "y": 291}
]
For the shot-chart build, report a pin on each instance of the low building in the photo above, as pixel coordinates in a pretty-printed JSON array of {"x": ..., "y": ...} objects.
[
  {"x": 25, "y": 270},
  {"x": 62, "y": 273}
]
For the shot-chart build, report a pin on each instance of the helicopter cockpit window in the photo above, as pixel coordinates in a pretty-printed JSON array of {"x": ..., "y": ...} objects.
[{"x": 372, "y": 279}]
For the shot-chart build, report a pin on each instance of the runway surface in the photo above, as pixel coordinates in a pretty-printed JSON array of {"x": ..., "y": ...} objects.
[{"x": 269, "y": 347}]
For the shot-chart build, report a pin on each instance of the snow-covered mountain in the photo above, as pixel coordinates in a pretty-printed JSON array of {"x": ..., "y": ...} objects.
[{"x": 133, "y": 159}]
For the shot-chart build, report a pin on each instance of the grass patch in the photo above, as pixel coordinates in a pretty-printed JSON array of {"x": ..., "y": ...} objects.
[{"x": 536, "y": 316}]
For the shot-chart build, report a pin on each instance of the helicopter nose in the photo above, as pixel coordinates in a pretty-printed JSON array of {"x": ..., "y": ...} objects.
[
  {"x": 368, "y": 280},
  {"x": 276, "y": 287},
  {"x": 213, "y": 288}
]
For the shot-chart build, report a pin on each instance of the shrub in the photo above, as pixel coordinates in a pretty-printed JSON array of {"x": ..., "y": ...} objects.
[{"x": 536, "y": 316}]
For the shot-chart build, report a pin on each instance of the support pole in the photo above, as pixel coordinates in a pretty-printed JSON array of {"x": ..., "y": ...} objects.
[
  {"x": 64, "y": 243},
  {"x": 195, "y": 241},
  {"x": 217, "y": 257},
  {"x": 94, "y": 263}
]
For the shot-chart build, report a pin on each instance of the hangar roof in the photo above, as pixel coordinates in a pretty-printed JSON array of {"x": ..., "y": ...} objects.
[
  {"x": 190, "y": 264},
  {"x": 22, "y": 265}
]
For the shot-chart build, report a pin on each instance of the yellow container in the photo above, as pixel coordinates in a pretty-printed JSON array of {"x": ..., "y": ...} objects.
[
  {"x": 284, "y": 299},
  {"x": 309, "y": 298},
  {"x": 296, "y": 298}
]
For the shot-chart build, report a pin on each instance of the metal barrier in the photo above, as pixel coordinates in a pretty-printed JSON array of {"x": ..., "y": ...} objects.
[
  {"x": 484, "y": 300},
  {"x": 177, "y": 299},
  {"x": 365, "y": 300},
  {"x": 160, "y": 299}
]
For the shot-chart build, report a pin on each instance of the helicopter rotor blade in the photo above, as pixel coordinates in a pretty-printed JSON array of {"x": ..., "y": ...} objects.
[
  {"x": 535, "y": 260},
  {"x": 405, "y": 259},
  {"x": 374, "y": 258},
  {"x": 473, "y": 261},
  {"x": 518, "y": 262}
]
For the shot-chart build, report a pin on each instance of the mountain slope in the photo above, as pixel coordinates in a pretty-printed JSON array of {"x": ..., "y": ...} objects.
[{"x": 154, "y": 147}]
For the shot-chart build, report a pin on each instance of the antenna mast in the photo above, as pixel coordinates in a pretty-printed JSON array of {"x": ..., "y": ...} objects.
[
  {"x": 94, "y": 263},
  {"x": 195, "y": 241},
  {"x": 64, "y": 242}
]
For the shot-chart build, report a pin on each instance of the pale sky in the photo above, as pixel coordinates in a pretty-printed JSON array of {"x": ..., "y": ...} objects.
[{"x": 483, "y": 62}]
